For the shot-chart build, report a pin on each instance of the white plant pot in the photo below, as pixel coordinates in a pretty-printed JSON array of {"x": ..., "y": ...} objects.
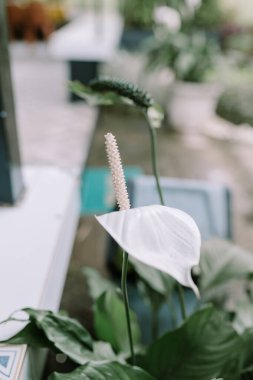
[{"x": 191, "y": 105}]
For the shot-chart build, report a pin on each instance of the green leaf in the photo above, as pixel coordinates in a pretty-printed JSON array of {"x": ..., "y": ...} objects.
[
  {"x": 244, "y": 316},
  {"x": 67, "y": 334},
  {"x": 159, "y": 281},
  {"x": 110, "y": 321},
  {"x": 156, "y": 287},
  {"x": 204, "y": 347},
  {"x": 220, "y": 263},
  {"x": 247, "y": 371},
  {"x": 103, "y": 371},
  {"x": 97, "y": 284},
  {"x": 96, "y": 98},
  {"x": 104, "y": 351},
  {"x": 31, "y": 335},
  {"x": 56, "y": 332},
  {"x": 107, "y": 91}
]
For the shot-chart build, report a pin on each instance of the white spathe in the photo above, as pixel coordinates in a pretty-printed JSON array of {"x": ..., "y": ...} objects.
[{"x": 165, "y": 238}]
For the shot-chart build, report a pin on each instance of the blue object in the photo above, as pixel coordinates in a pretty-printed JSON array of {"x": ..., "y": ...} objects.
[
  {"x": 169, "y": 315},
  {"x": 208, "y": 203},
  {"x": 4, "y": 361},
  {"x": 97, "y": 195}
]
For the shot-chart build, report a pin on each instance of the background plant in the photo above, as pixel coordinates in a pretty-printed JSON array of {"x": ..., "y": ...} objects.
[
  {"x": 138, "y": 13},
  {"x": 235, "y": 104},
  {"x": 190, "y": 51},
  {"x": 190, "y": 55}
]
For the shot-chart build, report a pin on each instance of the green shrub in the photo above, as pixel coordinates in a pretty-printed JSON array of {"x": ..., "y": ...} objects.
[
  {"x": 208, "y": 15},
  {"x": 235, "y": 105},
  {"x": 138, "y": 13}
]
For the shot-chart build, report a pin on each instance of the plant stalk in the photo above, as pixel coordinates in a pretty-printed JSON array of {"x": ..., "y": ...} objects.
[
  {"x": 155, "y": 323},
  {"x": 182, "y": 301},
  {"x": 153, "y": 141},
  {"x": 126, "y": 303}
]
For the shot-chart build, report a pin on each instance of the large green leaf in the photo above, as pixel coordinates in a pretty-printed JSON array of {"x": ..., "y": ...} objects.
[
  {"x": 110, "y": 321},
  {"x": 204, "y": 347},
  {"x": 57, "y": 332},
  {"x": 104, "y": 370},
  {"x": 97, "y": 284},
  {"x": 31, "y": 335},
  {"x": 104, "y": 351},
  {"x": 221, "y": 263}
]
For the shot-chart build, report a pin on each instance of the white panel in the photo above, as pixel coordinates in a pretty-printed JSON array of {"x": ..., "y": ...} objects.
[
  {"x": 35, "y": 245},
  {"x": 90, "y": 37}
]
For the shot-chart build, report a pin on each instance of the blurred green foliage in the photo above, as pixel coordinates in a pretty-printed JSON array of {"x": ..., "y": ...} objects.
[
  {"x": 208, "y": 15},
  {"x": 138, "y": 13},
  {"x": 189, "y": 55},
  {"x": 235, "y": 105},
  {"x": 240, "y": 42},
  {"x": 192, "y": 52}
]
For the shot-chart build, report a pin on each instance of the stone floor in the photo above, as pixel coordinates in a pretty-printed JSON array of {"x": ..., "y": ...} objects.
[{"x": 52, "y": 130}]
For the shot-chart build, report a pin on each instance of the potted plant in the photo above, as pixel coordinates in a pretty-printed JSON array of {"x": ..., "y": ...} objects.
[
  {"x": 190, "y": 53},
  {"x": 138, "y": 20}
]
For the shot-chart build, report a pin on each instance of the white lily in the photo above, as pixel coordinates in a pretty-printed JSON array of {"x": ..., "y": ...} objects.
[{"x": 165, "y": 238}]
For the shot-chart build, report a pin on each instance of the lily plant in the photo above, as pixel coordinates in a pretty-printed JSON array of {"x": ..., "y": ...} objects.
[
  {"x": 163, "y": 245},
  {"x": 161, "y": 237}
]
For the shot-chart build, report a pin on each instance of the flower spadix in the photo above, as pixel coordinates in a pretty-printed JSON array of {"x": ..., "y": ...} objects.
[{"x": 165, "y": 238}]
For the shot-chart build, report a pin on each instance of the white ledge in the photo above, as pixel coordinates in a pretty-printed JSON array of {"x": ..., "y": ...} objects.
[{"x": 35, "y": 246}]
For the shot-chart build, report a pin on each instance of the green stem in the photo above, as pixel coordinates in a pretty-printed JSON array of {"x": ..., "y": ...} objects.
[
  {"x": 126, "y": 303},
  {"x": 182, "y": 301},
  {"x": 173, "y": 313},
  {"x": 154, "y": 323},
  {"x": 153, "y": 141},
  {"x": 154, "y": 162}
]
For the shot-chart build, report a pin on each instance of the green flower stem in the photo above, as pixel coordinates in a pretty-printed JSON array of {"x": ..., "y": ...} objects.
[
  {"x": 155, "y": 323},
  {"x": 182, "y": 301},
  {"x": 153, "y": 141},
  {"x": 126, "y": 303}
]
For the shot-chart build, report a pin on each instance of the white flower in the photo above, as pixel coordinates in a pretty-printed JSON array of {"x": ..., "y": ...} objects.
[
  {"x": 168, "y": 17},
  {"x": 118, "y": 178},
  {"x": 165, "y": 238}
]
